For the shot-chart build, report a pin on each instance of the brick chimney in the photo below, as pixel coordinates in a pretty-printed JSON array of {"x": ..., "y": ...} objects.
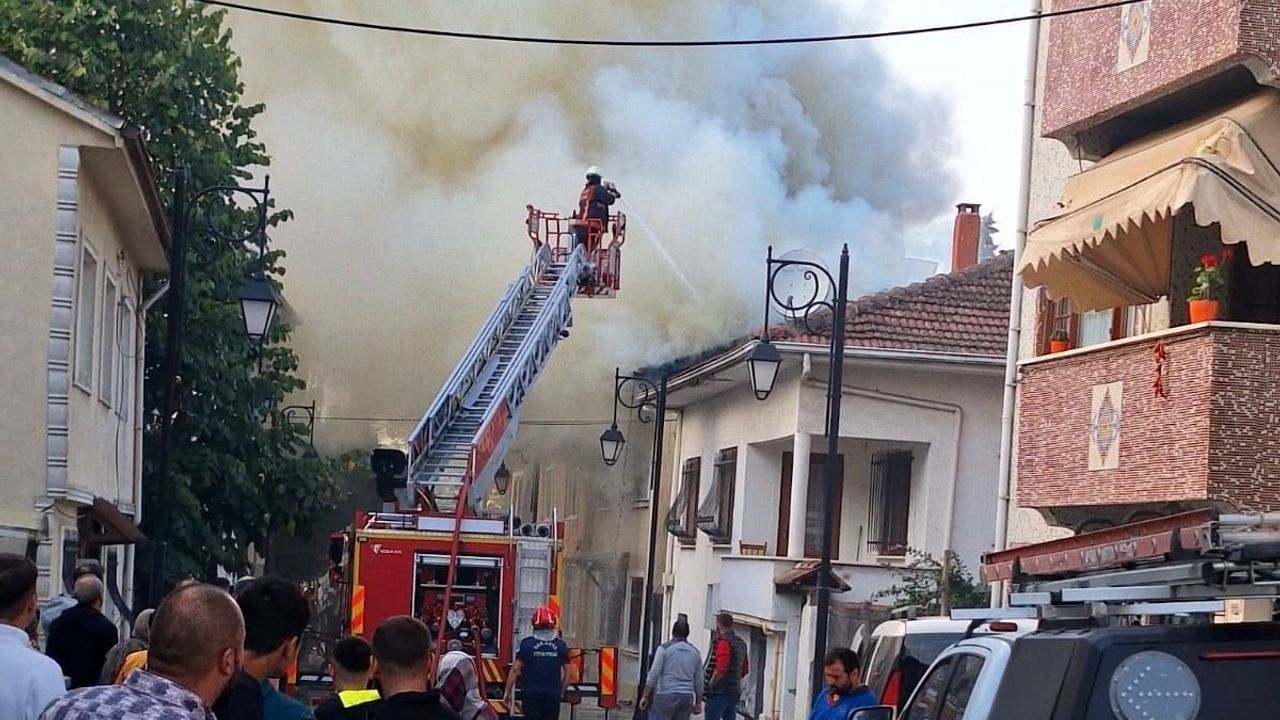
[{"x": 964, "y": 237}]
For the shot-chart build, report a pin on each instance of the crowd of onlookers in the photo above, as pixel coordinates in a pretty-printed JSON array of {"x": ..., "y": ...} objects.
[{"x": 206, "y": 652}]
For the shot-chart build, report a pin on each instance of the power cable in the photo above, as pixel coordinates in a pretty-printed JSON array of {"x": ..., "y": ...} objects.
[{"x": 540, "y": 40}]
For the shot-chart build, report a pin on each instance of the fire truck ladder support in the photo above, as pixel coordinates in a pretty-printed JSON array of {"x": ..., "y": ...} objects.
[
  {"x": 454, "y": 450},
  {"x": 456, "y": 447}
]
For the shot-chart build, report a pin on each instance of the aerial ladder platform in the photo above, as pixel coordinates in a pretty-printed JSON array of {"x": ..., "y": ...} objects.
[{"x": 456, "y": 449}]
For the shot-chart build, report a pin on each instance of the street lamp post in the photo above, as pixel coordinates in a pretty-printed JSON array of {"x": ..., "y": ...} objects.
[
  {"x": 763, "y": 364},
  {"x": 653, "y": 405},
  {"x": 258, "y": 303}
]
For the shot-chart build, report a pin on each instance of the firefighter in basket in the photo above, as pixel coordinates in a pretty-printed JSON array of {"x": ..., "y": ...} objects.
[
  {"x": 593, "y": 204},
  {"x": 542, "y": 669}
]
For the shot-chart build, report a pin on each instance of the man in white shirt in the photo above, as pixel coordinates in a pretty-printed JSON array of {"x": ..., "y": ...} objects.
[{"x": 30, "y": 680}]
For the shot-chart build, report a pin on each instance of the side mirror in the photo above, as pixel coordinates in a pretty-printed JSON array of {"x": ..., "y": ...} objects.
[{"x": 877, "y": 712}]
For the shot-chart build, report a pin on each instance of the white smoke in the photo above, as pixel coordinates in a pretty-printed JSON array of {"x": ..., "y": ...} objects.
[{"x": 409, "y": 160}]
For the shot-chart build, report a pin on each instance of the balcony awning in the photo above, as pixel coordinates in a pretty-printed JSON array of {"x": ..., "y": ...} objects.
[
  {"x": 804, "y": 576},
  {"x": 1109, "y": 246},
  {"x": 104, "y": 524}
]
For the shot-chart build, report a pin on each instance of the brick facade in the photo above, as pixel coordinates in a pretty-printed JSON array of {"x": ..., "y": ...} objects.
[
  {"x": 1087, "y": 78},
  {"x": 1209, "y": 440}
]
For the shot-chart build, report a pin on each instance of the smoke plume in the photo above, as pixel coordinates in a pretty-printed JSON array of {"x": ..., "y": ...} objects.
[{"x": 409, "y": 160}]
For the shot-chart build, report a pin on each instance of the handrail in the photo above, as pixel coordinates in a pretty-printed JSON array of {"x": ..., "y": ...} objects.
[
  {"x": 449, "y": 401},
  {"x": 541, "y": 340}
]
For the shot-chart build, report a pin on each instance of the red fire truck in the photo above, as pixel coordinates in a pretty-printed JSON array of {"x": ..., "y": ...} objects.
[{"x": 433, "y": 551}]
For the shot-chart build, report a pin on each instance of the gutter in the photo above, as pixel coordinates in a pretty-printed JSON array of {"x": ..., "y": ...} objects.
[
  {"x": 739, "y": 355},
  {"x": 144, "y": 172},
  {"x": 1005, "y": 477}
]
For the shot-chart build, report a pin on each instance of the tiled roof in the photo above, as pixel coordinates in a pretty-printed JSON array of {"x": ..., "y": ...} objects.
[{"x": 965, "y": 312}]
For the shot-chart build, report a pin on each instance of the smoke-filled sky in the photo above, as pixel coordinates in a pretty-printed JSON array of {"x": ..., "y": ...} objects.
[{"x": 409, "y": 161}]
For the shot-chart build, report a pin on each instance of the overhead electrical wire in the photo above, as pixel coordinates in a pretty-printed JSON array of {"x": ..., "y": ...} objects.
[{"x": 540, "y": 40}]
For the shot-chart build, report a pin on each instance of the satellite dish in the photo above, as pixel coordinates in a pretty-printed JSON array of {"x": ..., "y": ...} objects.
[{"x": 798, "y": 285}]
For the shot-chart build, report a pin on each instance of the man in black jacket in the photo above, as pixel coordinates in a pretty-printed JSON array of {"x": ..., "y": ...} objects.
[
  {"x": 81, "y": 637},
  {"x": 402, "y": 647}
]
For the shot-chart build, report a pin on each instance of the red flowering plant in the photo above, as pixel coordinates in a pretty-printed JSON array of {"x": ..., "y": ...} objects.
[{"x": 1209, "y": 278}]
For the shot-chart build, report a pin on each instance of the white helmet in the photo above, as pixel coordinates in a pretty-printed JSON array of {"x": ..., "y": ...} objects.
[{"x": 594, "y": 170}]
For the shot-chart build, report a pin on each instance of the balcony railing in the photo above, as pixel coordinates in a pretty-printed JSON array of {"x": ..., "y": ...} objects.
[{"x": 1187, "y": 415}]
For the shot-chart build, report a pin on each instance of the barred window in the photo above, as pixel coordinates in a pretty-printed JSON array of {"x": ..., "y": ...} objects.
[{"x": 890, "y": 501}]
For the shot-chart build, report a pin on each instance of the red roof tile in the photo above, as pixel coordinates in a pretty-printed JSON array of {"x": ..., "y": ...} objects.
[{"x": 965, "y": 312}]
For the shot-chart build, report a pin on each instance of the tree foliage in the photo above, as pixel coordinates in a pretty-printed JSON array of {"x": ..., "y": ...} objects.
[
  {"x": 240, "y": 471},
  {"x": 919, "y": 583}
]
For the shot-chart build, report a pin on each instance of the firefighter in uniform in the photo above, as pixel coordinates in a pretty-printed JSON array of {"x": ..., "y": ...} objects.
[
  {"x": 542, "y": 669},
  {"x": 593, "y": 204}
]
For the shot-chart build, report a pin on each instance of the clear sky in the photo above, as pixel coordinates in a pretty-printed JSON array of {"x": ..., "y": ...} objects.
[{"x": 982, "y": 71}]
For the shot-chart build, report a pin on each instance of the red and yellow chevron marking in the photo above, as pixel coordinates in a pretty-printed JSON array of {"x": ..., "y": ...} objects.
[
  {"x": 609, "y": 677},
  {"x": 490, "y": 671},
  {"x": 291, "y": 675},
  {"x": 357, "y": 610}
]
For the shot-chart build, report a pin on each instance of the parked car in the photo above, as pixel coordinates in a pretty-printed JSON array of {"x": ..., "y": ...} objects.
[
  {"x": 899, "y": 652},
  {"x": 1170, "y": 672}
]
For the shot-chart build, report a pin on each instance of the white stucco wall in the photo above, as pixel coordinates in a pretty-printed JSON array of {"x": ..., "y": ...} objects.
[{"x": 885, "y": 406}]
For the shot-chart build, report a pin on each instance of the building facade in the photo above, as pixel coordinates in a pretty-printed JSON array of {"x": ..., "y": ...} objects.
[
  {"x": 1157, "y": 127},
  {"x": 915, "y": 470},
  {"x": 81, "y": 223}
]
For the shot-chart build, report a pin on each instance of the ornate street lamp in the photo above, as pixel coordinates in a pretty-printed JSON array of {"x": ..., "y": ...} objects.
[
  {"x": 611, "y": 442},
  {"x": 502, "y": 479},
  {"x": 651, "y": 405},
  {"x": 258, "y": 303},
  {"x": 763, "y": 365}
]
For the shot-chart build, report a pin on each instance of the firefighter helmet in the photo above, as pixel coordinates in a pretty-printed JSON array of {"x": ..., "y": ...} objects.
[
  {"x": 593, "y": 171},
  {"x": 544, "y": 619}
]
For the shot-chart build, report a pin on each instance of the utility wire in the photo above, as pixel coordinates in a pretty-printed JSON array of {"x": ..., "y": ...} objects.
[
  {"x": 549, "y": 423},
  {"x": 541, "y": 40}
]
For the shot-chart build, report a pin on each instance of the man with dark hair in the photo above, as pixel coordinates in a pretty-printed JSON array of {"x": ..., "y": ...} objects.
[
  {"x": 197, "y": 639},
  {"x": 353, "y": 667},
  {"x": 844, "y": 692},
  {"x": 675, "y": 682},
  {"x": 726, "y": 667},
  {"x": 65, "y": 601},
  {"x": 402, "y": 647},
  {"x": 31, "y": 680},
  {"x": 81, "y": 637},
  {"x": 275, "y": 615}
]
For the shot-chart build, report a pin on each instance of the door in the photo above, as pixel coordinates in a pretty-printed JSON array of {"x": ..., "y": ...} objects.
[{"x": 946, "y": 690}]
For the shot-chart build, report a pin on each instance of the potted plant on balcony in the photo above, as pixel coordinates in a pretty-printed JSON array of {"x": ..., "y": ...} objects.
[
  {"x": 1059, "y": 342},
  {"x": 1202, "y": 305}
]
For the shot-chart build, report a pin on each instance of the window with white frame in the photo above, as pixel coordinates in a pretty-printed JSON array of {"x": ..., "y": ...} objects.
[
  {"x": 126, "y": 340},
  {"x": 86, "y": 317},
  {"x": 635, "y": 609},
  {"x": 107, "y": 344}
]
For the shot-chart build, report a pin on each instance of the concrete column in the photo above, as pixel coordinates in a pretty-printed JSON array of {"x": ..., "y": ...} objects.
[{"x": 799, "y": 493}]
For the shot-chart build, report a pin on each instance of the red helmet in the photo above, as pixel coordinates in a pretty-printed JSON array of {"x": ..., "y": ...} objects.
[{"x": 544, "y": 618}]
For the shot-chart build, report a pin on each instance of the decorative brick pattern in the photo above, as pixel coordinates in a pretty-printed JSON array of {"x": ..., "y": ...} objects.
[
  {"x": 1190, "y": 40},
  {"x": 1210, "y": 440}
]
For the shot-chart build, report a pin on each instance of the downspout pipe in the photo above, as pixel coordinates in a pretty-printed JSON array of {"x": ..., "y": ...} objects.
[{"x": 1008, "y": 412}]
